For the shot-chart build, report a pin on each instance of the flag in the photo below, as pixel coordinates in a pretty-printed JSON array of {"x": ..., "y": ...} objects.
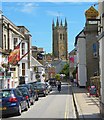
[{"x": 14, "y": 56}]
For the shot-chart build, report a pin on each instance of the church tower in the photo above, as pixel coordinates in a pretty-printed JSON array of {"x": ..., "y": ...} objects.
[{"x": 60, "y": 40}]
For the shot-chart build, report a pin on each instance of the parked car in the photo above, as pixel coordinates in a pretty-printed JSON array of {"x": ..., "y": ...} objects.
[
  {"x": 52, "y": 82},
  {"x": 35, "y": 90},
  {"x": 26, "y": 95},
  {"x": 49, "y": 87},
  {"x": 12, "y": 102},
  {"x": 41, "y": 88},
  {"x": 31, "y": 91}
]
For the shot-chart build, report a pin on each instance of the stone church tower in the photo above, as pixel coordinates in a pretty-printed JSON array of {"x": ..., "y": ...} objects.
[{"x": 60, "y": 40}]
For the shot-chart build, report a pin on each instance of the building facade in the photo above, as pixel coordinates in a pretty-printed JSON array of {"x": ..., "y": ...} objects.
[
  {"x": 72, "y": 62},
  {"x": 81, "y": 72},
  {"x": 87, "y": 47},
  {"x": 12, "y": 36},
  {"x": 92, "y": 45},
  {"x": 101, "y": 54}
]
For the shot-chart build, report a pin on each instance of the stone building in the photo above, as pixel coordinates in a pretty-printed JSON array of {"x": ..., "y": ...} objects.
[
  {"x": 92, "y": 45},
  {"x": 101, "y": 53},
  {"x": 87, "y": 48},
  {"x": 60, "y": 40}
]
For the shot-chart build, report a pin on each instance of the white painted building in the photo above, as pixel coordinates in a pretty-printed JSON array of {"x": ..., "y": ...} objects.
[
  {"x": 80, "y": 44},
  {"x": 11, "y": 35},
  {"x": 1, "y": 70},
  {"x": 40, "y": 70}
]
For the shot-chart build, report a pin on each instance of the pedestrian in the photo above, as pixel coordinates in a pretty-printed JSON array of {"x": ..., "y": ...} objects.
[
  {"x": 75, "y": 82},
  {"x": 59, "y": 86}
]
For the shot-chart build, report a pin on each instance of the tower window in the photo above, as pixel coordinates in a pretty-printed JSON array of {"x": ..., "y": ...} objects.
[
  {"x": 60, "y": 36},
  {"x": 63, "y": 37}
]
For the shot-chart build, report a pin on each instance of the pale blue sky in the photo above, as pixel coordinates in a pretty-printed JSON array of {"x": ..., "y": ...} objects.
[{"x": 38, "y": 17}]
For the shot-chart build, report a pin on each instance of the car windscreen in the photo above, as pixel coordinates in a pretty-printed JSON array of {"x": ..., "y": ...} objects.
[
  {"x": 4, "y": 94},
  {"x": 23, "y": 91},
  {"x": 40, "y": 86}
]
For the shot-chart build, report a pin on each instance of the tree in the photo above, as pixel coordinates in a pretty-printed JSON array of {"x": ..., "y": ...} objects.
[
  {"x": 74, "y": 73},
  {"x": 65, "y": 70},
  {"x": 57, "y": 76}
]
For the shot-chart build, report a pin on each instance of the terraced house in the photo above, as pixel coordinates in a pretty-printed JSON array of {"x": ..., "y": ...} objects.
[{"x": 15, "y": 69}]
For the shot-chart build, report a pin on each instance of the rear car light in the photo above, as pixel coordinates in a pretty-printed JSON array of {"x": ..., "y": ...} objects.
[
  {"x": 13, "y": 99},
  {"x": 26, "y": 97}
]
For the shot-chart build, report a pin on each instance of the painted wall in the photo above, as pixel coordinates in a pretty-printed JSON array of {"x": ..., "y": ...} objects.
[{"x": 81, "y": 60}]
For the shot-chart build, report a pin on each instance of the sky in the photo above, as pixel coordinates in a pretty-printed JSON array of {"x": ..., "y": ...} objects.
[{"x": 37, "y": 17}]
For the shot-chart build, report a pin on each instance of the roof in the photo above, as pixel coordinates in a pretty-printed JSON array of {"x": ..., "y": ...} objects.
[{"x": 91, "y": 13}]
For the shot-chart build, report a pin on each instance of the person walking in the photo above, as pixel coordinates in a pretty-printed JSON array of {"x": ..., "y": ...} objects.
[{"x": 59, "y": 86}]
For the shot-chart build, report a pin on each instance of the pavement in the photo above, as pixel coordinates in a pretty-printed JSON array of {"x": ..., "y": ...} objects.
[{"x": 86, "y": 106}]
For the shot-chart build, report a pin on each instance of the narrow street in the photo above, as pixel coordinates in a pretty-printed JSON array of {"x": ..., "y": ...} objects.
[{"x": 55, "y": 105}]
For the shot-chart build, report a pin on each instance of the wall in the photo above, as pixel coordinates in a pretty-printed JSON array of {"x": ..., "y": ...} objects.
[{"x": 81, "y": 60}]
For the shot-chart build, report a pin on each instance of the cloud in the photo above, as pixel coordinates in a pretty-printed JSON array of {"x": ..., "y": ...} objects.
[
  {"x": 28, "y": 7},
  {"x": 53, "y": 13},
  {"x": 51, "y": 0}
]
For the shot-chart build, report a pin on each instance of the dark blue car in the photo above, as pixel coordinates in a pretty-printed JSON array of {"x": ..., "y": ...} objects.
[
  {"x": 31, "y": 91},
  {"x": 26, "y": 94},
  {"x": 12, "y": 102}
]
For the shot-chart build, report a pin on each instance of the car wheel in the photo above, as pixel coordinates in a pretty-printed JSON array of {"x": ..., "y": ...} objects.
[
  {"x": 19, "y": 110},
  {"x": 33, "y": 102},
  {"x": 37, "y": 98},
  {"x": 29, "y": 104},
  {"x": 26, "y": 106},
  {"x": 44, "y": 94}
]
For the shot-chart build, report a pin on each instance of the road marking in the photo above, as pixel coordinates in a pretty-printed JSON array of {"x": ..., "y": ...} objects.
[{"x": 67, "y": 106}]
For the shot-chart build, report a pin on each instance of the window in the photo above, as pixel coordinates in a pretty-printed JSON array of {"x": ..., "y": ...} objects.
[
  {"x": 95, "y": 50},
  {"x": 15, "y": 42},
  {"x": 94, "y": 47},
  {"x": 63, "y": 37},
  {"x": 18, "y": 93},
  {"x": 4, "y": 41},
  {"x": 23, "y": 69},
  {"x": 60, "y": 36},
  {"x": 5, "y": 94},
  {"x": 23, "y": 48}
]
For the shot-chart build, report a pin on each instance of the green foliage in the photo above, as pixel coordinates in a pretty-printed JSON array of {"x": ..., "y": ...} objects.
[
  {"x": 65, "y": 70},
  {"x": 74, "y": 73},
  {"x": 57, "y": 76}
]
